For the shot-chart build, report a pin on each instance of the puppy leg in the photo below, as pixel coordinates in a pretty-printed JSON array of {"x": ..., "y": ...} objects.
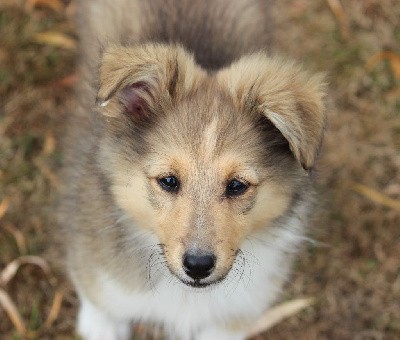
[{"x": 94, "y": 324}]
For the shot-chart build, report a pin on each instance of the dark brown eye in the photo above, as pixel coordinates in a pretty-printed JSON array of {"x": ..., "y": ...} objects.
[
  {"x": 169, "y": 183},
  {"x": 235, "y": 188}
]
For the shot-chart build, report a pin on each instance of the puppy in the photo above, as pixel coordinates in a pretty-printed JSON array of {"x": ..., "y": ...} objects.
[{"x": 186, "y": 171}]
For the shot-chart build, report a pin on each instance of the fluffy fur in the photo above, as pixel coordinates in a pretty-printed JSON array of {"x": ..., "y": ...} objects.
[{"x": 184, "y": 88}]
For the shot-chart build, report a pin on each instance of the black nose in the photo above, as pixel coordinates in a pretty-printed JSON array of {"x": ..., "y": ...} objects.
[{"x": 198, "y": 266}]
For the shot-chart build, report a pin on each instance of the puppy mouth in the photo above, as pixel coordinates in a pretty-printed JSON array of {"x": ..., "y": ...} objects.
[
  {"x": 197, "y": 283},
  {"x": 200, "y": 283}
]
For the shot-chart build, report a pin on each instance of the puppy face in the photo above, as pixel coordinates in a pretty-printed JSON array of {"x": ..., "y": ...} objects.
[{"x": 202, "y": 160}]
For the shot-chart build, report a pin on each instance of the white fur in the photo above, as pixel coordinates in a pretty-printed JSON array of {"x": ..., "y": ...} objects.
[
  {"x": 104, "y": 103},
  {"x": 95, "y": 324},
  {"x": 251, "y": 286}
]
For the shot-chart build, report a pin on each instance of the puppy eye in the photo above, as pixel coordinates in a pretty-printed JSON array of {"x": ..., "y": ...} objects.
[
  {"x": 169, "y": 183},
  {"x": 235, "y": 188}
]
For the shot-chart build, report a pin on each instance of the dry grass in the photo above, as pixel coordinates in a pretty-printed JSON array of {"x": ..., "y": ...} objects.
[{"x": 353, "y": 268}]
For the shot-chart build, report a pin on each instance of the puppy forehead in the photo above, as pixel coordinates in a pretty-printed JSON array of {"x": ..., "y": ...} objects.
[
  {"x": 194, "y": 166},
  {"x": 209, "y": 138},
  {"x": 206, "y": 132}
]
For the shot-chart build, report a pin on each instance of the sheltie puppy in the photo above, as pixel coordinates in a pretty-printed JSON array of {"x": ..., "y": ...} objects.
[{"x": 187, "y": 167}]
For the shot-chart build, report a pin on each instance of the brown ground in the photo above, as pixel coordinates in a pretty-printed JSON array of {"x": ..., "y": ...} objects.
[{"x": 353, "y": 268}]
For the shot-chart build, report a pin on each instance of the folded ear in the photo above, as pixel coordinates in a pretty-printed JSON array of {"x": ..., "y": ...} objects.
[
  {"x": 138, "y": 80},
  {"x": 285, "y": 94}
]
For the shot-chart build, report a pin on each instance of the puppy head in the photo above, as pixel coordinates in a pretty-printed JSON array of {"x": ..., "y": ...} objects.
[{"x": 205, "y": 160}]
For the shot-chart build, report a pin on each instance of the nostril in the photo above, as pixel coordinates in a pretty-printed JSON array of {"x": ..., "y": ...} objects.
[{"x": 198, "y": 266}]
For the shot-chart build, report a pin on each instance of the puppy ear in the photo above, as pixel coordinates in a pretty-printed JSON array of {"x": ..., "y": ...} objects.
[
  {"x": 138, "y": 80},
  {"x": 289, "y": 97}
]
